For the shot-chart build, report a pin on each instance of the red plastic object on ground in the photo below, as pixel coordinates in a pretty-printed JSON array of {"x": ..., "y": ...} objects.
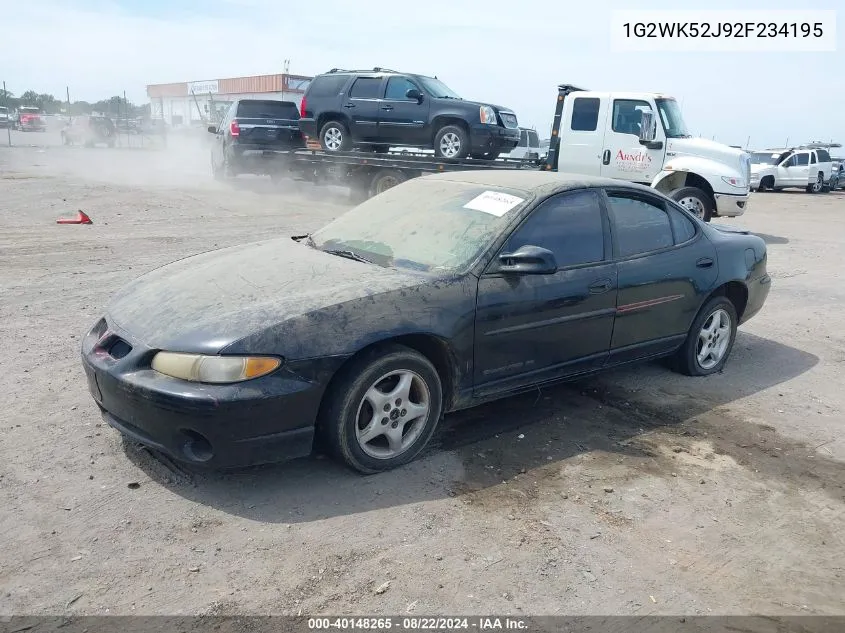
[{"x": 81, "y": 218}]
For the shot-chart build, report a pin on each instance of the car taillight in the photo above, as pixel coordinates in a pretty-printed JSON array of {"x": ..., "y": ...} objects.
[
  {"x": 234, "y": 128},
  {"x": 302, "y": 105}
]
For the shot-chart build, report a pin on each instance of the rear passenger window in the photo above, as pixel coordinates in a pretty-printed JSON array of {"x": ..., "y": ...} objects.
[
  {"x": 569, "y": 225},
  {"x": 585, "y": 114},
  {"x": 365, "y": 88},
  {"x": 682, "y": 226},
  {"x": 824, "y": 157},
  {"x": 802, "y": 159},
  {"x": 639, "y": 226},
  {"x": 327, "y": 85}
]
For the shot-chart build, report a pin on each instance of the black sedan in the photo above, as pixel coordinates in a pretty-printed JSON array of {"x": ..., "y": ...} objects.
[{"x": 436, "y": 295}]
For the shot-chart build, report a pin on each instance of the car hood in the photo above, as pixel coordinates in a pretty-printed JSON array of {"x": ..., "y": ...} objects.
[
  {"x": 204, "y": 303},
  {"x": 705, "y": 148},
  {"x": 472, "y": 102}
]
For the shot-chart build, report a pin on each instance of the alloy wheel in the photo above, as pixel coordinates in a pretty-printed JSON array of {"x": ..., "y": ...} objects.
[
  {"x": 333, "y": 139},
  {"x": 450, "y": 145},
  {"x": 713, "y": 339},
  {"x": 392, "y": 414}
]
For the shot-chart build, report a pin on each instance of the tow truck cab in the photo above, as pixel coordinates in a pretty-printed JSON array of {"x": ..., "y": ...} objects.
[{"x": 642, "y": 137}]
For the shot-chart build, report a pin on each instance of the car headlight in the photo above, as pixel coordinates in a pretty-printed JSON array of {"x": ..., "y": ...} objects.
[
  {"x": 734, "y": 182},
  {"x": 213, "y": 369},
  {"x": 488, "y": 115}
]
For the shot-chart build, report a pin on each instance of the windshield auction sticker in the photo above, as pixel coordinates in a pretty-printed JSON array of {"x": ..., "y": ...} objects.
[{"x": 494, "y": 202}]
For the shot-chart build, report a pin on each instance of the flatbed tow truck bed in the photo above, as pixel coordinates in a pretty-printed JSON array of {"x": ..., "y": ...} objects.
[{"x": 368, "y": 174}]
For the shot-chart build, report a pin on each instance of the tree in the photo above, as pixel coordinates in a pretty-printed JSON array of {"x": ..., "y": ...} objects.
[{"x": 30, "y": 97}]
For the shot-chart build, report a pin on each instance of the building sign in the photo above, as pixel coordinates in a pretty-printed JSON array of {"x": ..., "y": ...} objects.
[{"x": 202, "y": 87}]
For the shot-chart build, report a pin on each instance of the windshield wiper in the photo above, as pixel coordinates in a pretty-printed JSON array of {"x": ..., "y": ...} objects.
[{"x": 348, "y": 255}]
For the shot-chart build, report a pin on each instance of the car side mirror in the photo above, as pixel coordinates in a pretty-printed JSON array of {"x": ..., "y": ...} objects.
[
  {"x": 212, "y": 129},
  {"x": 528, "y": 260},
  {"x": 414, "y": 94}
]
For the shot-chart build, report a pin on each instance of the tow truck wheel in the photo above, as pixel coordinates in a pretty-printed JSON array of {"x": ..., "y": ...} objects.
[
  {"x": 695, "y": 201},
  {"x": 384, "y": 180}
]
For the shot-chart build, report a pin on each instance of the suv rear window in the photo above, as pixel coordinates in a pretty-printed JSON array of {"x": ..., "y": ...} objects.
[
  {"x": 327, "y": 85},
  {"x": 267, "y": 110}
]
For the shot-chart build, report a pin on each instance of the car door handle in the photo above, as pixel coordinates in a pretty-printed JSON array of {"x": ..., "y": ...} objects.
[
  {"x": 704, "y": 262},
  {"x": 600, "y": 286},
  {"x": 348, "y": 105},
  {"x": 605, "y": 158},
  {"x": 386, "y": 107}
]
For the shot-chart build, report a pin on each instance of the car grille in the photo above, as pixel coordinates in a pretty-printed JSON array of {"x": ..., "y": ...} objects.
[{"x": 509, "y": 119}]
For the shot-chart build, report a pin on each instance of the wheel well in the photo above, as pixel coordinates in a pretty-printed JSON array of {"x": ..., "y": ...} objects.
[
  {"x": 736, "y": 293},
  {"x": 442, "y": 121},
  {"x": 768, "y": 180},
  {"x": 325, "y": 117},
  {"x": 694, "y": 180},
  {"x": 433, "y": 348}
]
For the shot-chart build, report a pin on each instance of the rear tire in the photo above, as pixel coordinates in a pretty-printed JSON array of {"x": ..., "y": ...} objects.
[
  {"x": 709, "y": 341},
  {"x": 384, "y": 180},
  {"x": 334, "y": 137},
  {"x": 695, "y": 201},
  {"x": 451, "y": 141},
  {"x": 817, "y": 186},
  {"x": 382, "y": 409}
]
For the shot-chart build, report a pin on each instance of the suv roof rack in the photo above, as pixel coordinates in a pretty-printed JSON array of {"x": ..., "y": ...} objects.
[{"x": 377, "y": 69}]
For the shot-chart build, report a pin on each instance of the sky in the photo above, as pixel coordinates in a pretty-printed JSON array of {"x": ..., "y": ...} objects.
[{"x": 512, "y": 53}]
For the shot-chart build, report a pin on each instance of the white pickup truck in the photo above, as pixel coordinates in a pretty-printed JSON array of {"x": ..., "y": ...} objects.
[{"x": 642, "y": 137}]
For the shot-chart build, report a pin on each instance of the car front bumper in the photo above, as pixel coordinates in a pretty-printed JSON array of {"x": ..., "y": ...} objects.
[
  {"x": 729, "y": 205},
  {"x": 265, "y": 420},
  {"x": 486, "y": 138}
]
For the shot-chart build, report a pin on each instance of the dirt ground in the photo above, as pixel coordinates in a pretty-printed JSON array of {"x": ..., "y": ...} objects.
[{"x": 637, "y": 492}]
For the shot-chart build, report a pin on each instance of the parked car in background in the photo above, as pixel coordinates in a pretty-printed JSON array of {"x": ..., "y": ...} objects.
[
  {"x": 776, "y": 169},
  {"x": 28, "y": 119},
  {"x": 379, "y": 108},
  {"x": 90, "y": 130},
  {"x": 5, "y": 120},
  {"x": 837, "y": 178},
  {"x": 254, "y": 137},
  {"x": 439, "y": 294},
  {"x": 528, "y": 147}
]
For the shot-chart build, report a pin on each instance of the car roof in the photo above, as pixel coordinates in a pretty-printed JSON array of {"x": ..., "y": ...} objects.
[{"x": 541, "y": 183}]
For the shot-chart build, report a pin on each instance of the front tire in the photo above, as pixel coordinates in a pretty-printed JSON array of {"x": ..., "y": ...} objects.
[
  {"x": 695, "y": 201},
  {"x": 451, "y": 141},
  {"x": 709, "y": 341},
  {"x": 334, "y": 137},
  {"x": 382, "y": 409}
]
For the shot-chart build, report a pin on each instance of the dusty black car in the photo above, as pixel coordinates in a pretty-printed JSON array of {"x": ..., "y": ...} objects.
[
  {"x": 254, "y": 137},
  {"x": 438, "y": 294},
  {"x": 380, "y": 108}
]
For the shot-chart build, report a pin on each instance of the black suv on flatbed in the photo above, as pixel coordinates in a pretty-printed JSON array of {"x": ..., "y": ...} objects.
[
  {"x": 380, "y": 108},
  {"x": 254, "y": 137}
]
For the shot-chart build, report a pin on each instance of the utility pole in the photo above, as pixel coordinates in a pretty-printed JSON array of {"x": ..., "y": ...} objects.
[{"x": 9, "y": 124}]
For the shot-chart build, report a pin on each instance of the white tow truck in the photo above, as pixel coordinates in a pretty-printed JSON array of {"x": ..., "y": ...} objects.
[{"x": 642, "y": 137}]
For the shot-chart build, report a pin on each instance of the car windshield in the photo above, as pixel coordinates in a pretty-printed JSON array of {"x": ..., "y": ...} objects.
[
  {"x": 437, "y": 88},
  {"x": 765, "y": 158},
  {"x": 438, "y": 226},
  {"x": 673, "y": 120}
]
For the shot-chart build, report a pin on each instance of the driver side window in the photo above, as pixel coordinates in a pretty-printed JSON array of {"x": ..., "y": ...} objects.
[{"x": 569, "y": 225}]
